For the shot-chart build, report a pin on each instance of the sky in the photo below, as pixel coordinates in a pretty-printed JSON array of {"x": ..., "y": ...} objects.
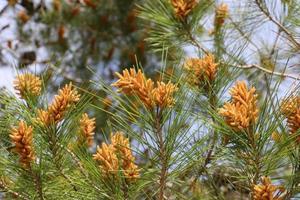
[{"x": 7, "y": 73}]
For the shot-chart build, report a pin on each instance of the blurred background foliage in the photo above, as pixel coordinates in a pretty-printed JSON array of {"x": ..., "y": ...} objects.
[{"x": 76, "y": 41}]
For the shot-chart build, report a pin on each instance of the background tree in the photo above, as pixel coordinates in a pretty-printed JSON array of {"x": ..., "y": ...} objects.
[
  {"x": 74, "y": 40},
  {"x": 76, "y": 34},
  {"x": 204, "y": 128}
]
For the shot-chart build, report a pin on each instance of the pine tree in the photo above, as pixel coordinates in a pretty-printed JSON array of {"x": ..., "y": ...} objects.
[{"x": 216, "y": 123}]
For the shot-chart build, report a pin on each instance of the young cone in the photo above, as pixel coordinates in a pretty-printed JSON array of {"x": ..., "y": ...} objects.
[
  {"x": 163, "y": 94},
  {"x": 21, "y": 136},
  {"x": 267, "y": 191},
  {"x": 242, "y": 111},
  {"x": 132, "y": 82},
  {"x": 23, "y": 16},
  {"x": 107, "y": 158},
  {"x": 200, "y": 70},
  {"x": 183, "y": 7},
  {"x": 28, "y": 85},
  {"x": 290, "y": 108},
  {"x": 117, "y": 156},
  {"x": 67, "y": 96},
  {"x": 87, "y": 128},
  {"x": 221, "y": 14}
]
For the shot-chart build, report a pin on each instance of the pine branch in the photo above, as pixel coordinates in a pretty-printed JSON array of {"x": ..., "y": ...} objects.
[
  {"x": 194, "y": 40},
  {"x": 66, "y": 177},
  {"x": 38, "y": 183},
  {"x": 281, "y": 74},
  {"x": 163, "y": 156},
  {"x": 249, "y": 66},
  {"x": 281, "y": 27}
]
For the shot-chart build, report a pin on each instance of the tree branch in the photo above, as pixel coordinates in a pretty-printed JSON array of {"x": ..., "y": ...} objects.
[
  {"x": 281, "y": 74},
  {"x": 193, "y": 40},
  {"x": 280, "y": 26},
  {"x": 163, "y": 156},
  {"x": 37, "y": 182}
]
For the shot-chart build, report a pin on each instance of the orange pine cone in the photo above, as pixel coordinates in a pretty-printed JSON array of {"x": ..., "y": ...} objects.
[{"x": 21, "y": 136}]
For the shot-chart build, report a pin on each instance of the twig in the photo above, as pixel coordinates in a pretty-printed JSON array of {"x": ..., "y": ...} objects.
[
  {"x": 281, "y": 74},
  {"x": 196, "y": 43},
  {"x": 266, "y": 12},
  {"x": 292, "y": 76},
  {"x": 250, "y": 66},
  {"x": 193, "y": 40},
  {"x": 4, "y": 27}
]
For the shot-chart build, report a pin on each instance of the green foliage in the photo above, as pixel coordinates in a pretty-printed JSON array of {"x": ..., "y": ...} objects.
[{"x": 186, "y": 149}]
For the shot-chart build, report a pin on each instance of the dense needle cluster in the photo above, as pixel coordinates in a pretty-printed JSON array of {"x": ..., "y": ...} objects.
[
  {"x": 183, "y": 7},
  {"x": 267, "y": 191},
  {"x": 21, "y": 136},
  {"x": 117, "y": 157},
  {"x": 132, "y": 82},
  {"x": 28, "y": 85},
  {"x": 201, "y": 69},
  {"x": 67, "y": 96},
  {"x": 241, "y": 112},
  {"x": 290, "y": 108},
  {"x": 87, "y": 128}
]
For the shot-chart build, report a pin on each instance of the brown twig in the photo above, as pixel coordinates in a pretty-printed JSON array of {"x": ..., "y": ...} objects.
[
  {"x": 193, "y": 40},
  {"x": 281, "y": 74},
  {"x": 196, "y": 43},
  {"x": 280, "y": 26}
]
